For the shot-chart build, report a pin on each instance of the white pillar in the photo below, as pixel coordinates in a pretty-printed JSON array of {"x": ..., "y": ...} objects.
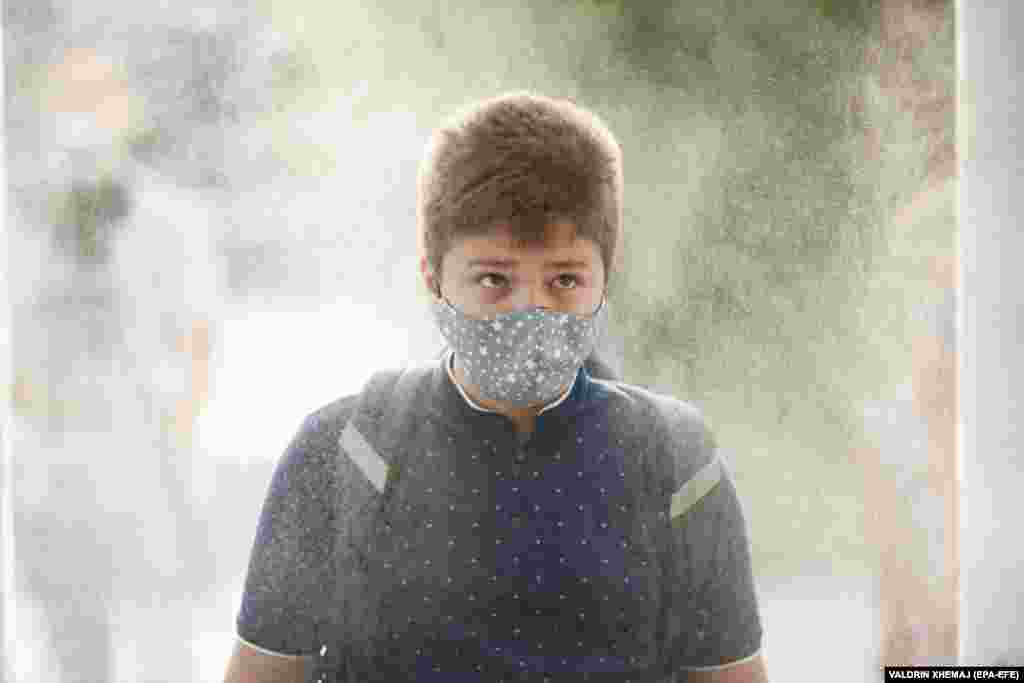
[
  {"x": 992, "y": 331},
  {"x": 6, "y": 539}
]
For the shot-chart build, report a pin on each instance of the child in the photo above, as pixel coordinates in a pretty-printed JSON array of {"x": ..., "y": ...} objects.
[{"x": 500, "y": 514}]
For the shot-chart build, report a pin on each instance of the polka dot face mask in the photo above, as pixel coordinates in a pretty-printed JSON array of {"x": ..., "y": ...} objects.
[{"x": 524, "y": 357}]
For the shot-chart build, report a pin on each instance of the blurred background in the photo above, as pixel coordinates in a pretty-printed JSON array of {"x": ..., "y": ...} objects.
[{"x": 211, "y": 214}]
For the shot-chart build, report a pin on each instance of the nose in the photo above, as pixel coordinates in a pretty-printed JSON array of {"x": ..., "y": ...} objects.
[{"x": 533, "y": 294}]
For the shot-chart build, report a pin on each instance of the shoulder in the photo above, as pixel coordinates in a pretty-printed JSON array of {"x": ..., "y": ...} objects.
[
  {"x": 353, "y": 422},
  {"x": 313, "y": 448},
  {"x": 676, "y": 426},
  {"x": 330, "y": 419},
  {"x": 646, "y": 402},
  {"x": 384, "y": 386}
]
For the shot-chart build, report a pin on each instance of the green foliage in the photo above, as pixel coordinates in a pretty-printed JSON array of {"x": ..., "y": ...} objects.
[
  {"x": 86, "y": 217},
  {"x": 854, "y": 15}
]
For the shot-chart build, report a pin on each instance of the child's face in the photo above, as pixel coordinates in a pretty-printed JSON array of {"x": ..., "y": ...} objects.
[{"x": 562, "y": 275}]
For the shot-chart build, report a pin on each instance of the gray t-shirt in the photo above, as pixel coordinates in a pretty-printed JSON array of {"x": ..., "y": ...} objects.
[{"x": 426, "y": 541}]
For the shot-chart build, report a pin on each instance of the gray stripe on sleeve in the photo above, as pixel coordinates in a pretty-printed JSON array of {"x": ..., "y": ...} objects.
[
  {"x": 364, "y": 456},
  {"x": 696, "y": 488}
]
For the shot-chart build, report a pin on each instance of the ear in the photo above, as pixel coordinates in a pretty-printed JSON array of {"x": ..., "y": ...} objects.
[{"x": 428, "y": 277}]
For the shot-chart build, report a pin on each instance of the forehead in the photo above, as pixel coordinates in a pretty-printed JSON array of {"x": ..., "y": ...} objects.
[{"x": 560, "y": 240}]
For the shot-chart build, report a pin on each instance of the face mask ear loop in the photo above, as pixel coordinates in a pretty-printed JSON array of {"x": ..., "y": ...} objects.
[
  {"x": 437, "y": 290},
  {"x": 601, "y": 306}
]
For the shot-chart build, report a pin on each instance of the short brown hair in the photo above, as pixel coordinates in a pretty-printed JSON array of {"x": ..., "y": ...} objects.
[{"x": 524, "y": 159}]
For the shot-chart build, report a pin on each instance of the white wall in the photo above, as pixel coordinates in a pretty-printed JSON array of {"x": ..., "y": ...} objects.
[
  {"x": 6, "y": 566},
  {"x": 991, "y": 331}
]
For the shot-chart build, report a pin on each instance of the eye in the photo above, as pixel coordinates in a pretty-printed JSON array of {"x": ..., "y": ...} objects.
[
  {"x": 566, "y": 280},
  {"x": 483, "y": 277},
  {"x": 573, "y": 278}
]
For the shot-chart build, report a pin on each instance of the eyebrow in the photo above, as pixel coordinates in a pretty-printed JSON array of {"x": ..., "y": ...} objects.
[{"x": 508, "y": 263}]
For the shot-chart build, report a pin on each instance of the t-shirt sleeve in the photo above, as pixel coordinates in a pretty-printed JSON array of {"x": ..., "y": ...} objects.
[
  {"x": 286, "y": 587},
  {"x": 712, "y": 611}
]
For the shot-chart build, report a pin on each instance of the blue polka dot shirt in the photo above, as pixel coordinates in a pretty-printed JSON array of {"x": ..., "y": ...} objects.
[{"x": 410, "y": 535}]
